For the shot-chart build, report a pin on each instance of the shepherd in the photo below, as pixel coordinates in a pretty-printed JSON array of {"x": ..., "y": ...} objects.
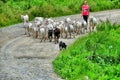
[{"x": 85, "y": 11}]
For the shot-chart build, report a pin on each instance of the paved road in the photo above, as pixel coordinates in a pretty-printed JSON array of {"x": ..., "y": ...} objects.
[{"x": 25, "y": 58}]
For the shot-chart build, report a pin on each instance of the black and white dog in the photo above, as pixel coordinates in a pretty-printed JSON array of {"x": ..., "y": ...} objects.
[{"x": 62, "y": 45}]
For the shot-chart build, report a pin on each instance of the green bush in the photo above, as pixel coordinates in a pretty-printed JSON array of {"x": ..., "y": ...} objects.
[
  {"x": 96, "y": 55},
  {"x": 107, "y": 26},
  {"x": 48, "y": 8}
]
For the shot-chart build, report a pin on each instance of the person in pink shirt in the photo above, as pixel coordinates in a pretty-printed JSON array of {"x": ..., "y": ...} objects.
[{"x": 85, "y": 11}]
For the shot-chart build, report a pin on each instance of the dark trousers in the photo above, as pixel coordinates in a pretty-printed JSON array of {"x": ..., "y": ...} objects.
[{"x": 85, "y": 17}]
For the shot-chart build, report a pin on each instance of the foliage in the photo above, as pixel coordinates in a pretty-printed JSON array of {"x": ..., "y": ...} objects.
[
  {"x": 10, "y": 10},
  {"x": 96, "y": 56},
  {"x": 107, "y": 26}
]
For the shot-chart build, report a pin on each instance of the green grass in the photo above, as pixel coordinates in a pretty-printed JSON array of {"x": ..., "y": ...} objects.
[
  {"x": 10, "y": 10},
  {"x": 96, "y": 55}
]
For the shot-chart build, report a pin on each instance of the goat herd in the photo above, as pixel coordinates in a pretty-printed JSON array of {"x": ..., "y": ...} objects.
[{"x": 49, "y": 29}]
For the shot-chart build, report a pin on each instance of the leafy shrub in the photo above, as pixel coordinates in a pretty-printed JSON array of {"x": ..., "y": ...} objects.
[
  {"x": 96, "y": 56},
  {"x": 49, "y": 8},
  {"x": 107, "y": 26}
]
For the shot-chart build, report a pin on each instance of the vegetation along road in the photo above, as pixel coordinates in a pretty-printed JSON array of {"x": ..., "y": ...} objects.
[{"x": 25, "y": 58}]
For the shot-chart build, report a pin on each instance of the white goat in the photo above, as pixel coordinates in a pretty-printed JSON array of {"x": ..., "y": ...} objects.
[
  {"x": 50, "y": 27},
  {"x": 84, "y": 27},
  {"x": 92, "y": 23},
  {"x": 35, "y": 30},
  {"x": 39, "y": 20},
  {"x": 61, "y": 27},
  {"x": 43, "y": 32},
  {"x": 25, "y": 19},
  {"x": 69, "y": 28},
  {"x": 78, "y": 26},
  {"x": 30, "y": 28}
]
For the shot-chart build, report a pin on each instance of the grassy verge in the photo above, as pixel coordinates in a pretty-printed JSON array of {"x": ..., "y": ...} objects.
[
  {"x": 10, "y": 10},
  {"x": 96, "y": 56}
]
